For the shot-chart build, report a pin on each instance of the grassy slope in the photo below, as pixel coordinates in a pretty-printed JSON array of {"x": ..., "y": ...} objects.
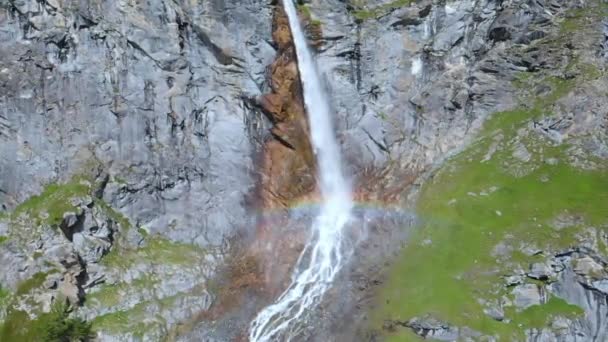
[
  {"x": 48, "y": 209},
  {"x": 469, "y": 206},
  {"x": 364, "y": 13}
]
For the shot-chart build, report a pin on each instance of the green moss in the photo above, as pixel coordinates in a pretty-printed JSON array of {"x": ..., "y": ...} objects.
[
  {"x": 155, "y": 250},
  {"x": 52, "y": 203},
  {"x": 473, "y": 203},
  {"x": 5, "y": 296},
  {"x": 136, "y": 321},
  {"x": 365, "y": 14},
  {"x": 116, "y": 321},
  {"x": 55, "y": 326},
  {"x": 382, "y": 116},
  {"x": 536, "y": 316},
  {"x": 120, "y": 180},
  {"x": 304, "y": 11},
  {"x": 107, "y": 296},
  {"x": 143, "y": 232},
  {"x": 122, "y": 220},
  {"x": 111, "y": 295},
  {"x": 446, "y": 277},
  {"x": 32, "y": 283},
  {"x": 3, "y": 239}
]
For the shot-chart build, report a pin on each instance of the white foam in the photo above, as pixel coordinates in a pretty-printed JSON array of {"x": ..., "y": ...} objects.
[
  {"x": 416, "y": 66},
  {"x": 325, "y": 253}
]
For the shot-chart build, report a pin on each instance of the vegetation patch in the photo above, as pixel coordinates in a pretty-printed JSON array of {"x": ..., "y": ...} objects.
[
  {"x": 52, "y": 203},
  {"x": 32, "y": 283},
  {"x": 118, "y": 217},
  {"x": 468, "y": 208},
  {"x": 156, "y": 250},
  {"x": 362, "y": 13},
  {"x": 139, "y": 321},
  {"x": 55, "y": 326},
  {"x": 112, "y": 295},
  {"x": 486, "y": 196},
  {"x": 312, "y": 26},
  {"x": 5, "y": 296}
]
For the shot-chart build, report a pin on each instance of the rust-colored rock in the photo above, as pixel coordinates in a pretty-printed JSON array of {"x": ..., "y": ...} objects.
[{"x": 288, "y": 164}]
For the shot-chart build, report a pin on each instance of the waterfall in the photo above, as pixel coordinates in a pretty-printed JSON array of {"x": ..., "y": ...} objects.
[{"x": 324, "y": 254}]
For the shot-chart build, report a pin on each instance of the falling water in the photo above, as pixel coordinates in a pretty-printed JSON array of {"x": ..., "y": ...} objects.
[{"x": 324, "y": 254}]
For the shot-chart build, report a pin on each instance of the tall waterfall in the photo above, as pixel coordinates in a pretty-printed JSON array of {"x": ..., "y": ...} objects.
[{"x": 324, "y": 254}]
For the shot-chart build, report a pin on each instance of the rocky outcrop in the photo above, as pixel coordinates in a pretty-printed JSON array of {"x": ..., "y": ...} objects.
[
  {"x": 189, "y": 116},
  {"x": 288, "y": 166},
  {"x": 413, "y": 82},
  {"x": 154, "y": 95}
]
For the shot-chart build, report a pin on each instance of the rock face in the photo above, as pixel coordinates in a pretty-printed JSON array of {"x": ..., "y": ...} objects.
[
  {"x": 152, "y": 100},
  {"x": 154, "y": 92},
  {"x": 139, "y": 142},
  {"x": 288, "y": 163}
]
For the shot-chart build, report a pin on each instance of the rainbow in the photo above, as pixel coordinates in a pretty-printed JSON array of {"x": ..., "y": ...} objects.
[{"x": 368, "y": 207}]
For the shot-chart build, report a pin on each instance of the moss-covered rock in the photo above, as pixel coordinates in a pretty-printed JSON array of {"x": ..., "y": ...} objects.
[{"x": 490, "y": 212}]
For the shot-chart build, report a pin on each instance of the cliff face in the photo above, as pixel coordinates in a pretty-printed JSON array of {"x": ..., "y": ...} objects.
[
  {"x": 150, "y": 151},
  {"x": 133, "y": 120}
]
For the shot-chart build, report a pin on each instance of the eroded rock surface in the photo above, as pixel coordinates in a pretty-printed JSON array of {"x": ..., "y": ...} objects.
[{"x": 156, "y": 132}]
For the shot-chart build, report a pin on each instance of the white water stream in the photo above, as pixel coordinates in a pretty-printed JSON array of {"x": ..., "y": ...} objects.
[{"x": 324, "y": 254}]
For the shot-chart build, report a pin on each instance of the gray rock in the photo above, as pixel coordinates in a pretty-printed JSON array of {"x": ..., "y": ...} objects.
[
  {"x": 495, "y": 312},
  {"x": 514, "y": 280},
  {"x": 527, "y": 295},
  {"x": 540, "y": 271},
  {"x": 433, "y": 328},
  {"x": 601, "y": 285},
  {"x": 90, "y": 249},
  {"x": 572, "y": 288},
  {"x": 521, "y": 153},
  {"x": 69, "y": 219},
  {"x": 587, "y": 266},
  {"x": 152, "y": 93}
]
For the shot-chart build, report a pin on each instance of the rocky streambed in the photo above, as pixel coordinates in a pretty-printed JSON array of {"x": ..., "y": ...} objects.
[{"x": 156, "y": 170}]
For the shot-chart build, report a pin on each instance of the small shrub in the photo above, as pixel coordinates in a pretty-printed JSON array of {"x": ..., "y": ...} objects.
[{"x": 55, "y": 326}]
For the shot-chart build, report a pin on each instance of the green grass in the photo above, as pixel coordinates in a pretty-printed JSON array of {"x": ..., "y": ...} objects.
[
  {"x": 155, "y": 250},
  {"x": 32, "y": 283},
  {"x": 118, "y": 217},
  {"x": 52, "y": 203},
  {"x": 304, "y": 11},
  {"x": 446, "y": 277},
  {"x": 54, "y": 326},
  {"x": 536, "y": 316},
  {"x": 111, "y": 295},
  {"x": 5, "y": 296},
  {"x": 306, "y": 15},
  {"x": 365, "y": 14},
  {"x": 470, "y": 205},
  {"x": 136, "y": 320}
]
